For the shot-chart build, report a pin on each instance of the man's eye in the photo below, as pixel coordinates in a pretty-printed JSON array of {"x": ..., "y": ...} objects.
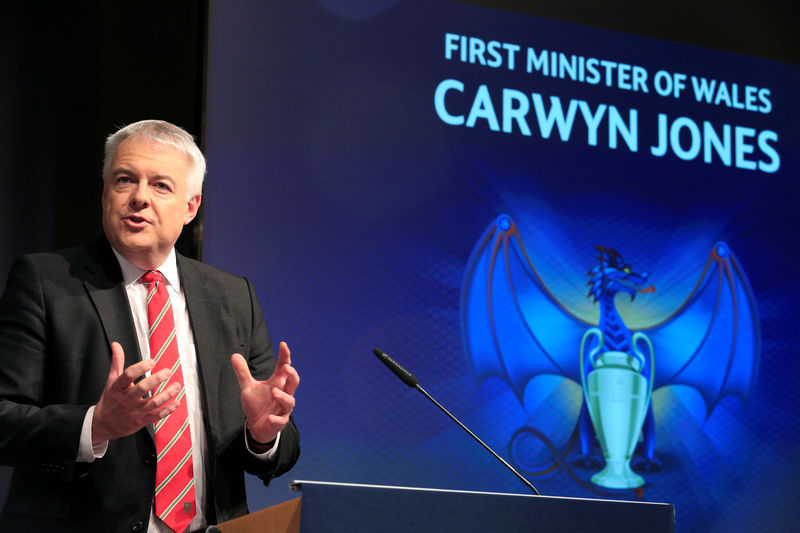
[
  {"x": 162, "y": 186},
  {"x": 123, "y": 179}
]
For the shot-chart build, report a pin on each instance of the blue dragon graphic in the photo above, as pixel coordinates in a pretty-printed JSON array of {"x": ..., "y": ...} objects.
[{"x": 515, "y": 328}]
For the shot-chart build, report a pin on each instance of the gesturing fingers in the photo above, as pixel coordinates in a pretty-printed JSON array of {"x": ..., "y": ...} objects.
[
  {"x": 162, "y": 404},
  {"x": 151, "y": 384},
  {"x": 131, "y": 399},
  {"x": 284, "y": 403},
  {"x": 285, "y": 377},
  {"x": 125, "y": 380},
  {"x": 289, "y": 379}
]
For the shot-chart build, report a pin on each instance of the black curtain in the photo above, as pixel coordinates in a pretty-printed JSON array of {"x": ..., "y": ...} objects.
[{"x": 70, "y": 74}]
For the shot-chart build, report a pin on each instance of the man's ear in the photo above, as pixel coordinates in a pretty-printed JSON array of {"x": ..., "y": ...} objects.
[{"x": 192, "y": 206}]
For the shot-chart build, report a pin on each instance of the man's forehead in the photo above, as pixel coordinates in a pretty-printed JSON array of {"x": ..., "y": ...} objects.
[{"x": 135, "y": 149}]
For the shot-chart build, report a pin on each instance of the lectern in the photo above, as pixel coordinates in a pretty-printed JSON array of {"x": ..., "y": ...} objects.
[{"x": 336, "y": 507}]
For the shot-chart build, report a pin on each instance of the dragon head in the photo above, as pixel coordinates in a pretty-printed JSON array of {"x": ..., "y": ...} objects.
[{"x": 613, "y": 275}]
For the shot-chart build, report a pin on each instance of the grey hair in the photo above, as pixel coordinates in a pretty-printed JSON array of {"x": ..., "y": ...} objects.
[{"x": 164, "y": 133}]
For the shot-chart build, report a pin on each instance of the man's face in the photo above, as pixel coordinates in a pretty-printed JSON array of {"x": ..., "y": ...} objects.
[{"x": 144, "y": 201}]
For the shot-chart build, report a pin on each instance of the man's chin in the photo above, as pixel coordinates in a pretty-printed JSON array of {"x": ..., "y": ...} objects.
[{"x": 135, "y": 243}]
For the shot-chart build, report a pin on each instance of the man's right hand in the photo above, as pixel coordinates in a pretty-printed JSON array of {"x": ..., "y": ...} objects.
[{"x": 124, "y": 407}]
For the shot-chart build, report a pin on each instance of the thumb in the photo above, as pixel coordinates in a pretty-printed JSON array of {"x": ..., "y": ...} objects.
[
  {"x": 241, "y": 370},
  {"x": 117, "y": 363}
]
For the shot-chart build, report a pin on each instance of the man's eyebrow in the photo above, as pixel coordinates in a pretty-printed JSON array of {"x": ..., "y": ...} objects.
[
  {"x": 163, "y": 177},
  {"x": 122, "y": 169}
]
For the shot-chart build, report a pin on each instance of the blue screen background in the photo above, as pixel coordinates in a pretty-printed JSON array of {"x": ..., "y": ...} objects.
[{"x": 353, "y": 207}]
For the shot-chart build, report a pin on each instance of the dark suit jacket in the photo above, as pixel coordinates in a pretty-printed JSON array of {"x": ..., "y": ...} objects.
[{"x": 58, "y": 317}]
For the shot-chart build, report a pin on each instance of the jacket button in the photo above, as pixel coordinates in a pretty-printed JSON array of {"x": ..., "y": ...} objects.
[
  {"x": 137, "y": 526},
  {"x": 150, "y": 459}
]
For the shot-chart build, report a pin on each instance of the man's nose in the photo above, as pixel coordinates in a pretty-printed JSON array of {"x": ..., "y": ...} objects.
[{"x": 140, "y": 197}]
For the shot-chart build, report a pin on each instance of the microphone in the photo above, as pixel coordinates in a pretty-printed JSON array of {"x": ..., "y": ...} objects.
[
  {"x": 409, "y": 379},
  {"x": 405, "y": 376}
]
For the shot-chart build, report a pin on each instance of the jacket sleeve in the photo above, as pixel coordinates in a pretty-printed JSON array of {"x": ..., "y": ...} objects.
[{"x": 33, "y": 431}]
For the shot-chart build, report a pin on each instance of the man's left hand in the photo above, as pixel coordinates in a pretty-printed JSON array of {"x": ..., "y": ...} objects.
[{"x": 267, "y": 404}]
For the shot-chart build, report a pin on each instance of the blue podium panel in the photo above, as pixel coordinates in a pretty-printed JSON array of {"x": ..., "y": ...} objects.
[{"x": 338, "y": 507}]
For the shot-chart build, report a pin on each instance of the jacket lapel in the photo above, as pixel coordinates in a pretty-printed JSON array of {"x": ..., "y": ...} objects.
[
  {"x": 102, "y": 279},
  {"x": 204, "y": 316}
]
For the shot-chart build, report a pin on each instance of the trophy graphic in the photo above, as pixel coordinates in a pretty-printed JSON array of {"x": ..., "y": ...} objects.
[{"x": 617, "y": 397}]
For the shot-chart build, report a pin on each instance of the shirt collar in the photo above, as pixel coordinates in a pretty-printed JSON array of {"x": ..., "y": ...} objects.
[{"x": 131, "y": 273}]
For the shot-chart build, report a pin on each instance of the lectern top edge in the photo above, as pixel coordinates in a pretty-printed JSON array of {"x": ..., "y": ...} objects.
[{"x": 297, "y": 486}]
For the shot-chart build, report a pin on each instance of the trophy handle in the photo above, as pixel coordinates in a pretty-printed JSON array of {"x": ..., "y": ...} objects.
[
  {"x": 636, "y": 338},
  {"x": 591, "y": 332}
]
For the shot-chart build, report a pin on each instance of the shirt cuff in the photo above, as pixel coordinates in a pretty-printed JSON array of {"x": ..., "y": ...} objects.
[
  {"x": 86, "y": 452},
  {"x": 268, "y": 455}
]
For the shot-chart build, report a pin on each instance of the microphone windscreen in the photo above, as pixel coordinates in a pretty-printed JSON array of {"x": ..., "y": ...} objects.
[{"x": 407, "y": 377}]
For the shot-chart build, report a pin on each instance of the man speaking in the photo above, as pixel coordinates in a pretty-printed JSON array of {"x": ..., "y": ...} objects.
[{"x": 137, "y": 385}]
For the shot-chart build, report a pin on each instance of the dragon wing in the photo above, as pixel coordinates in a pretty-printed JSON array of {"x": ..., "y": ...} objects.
[
  {"x": 712, "y": 342},
  {"x": 512, "y": 326}
]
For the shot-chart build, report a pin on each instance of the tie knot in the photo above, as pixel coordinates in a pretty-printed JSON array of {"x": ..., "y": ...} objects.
[{"x": 152, "y": 275}]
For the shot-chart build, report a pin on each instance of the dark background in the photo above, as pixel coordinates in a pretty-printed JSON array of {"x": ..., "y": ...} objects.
[{"x": 73, "y": 73}]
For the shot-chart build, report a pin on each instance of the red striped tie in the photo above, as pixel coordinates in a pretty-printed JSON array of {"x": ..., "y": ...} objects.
[{"x": 174, "y": 494}]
